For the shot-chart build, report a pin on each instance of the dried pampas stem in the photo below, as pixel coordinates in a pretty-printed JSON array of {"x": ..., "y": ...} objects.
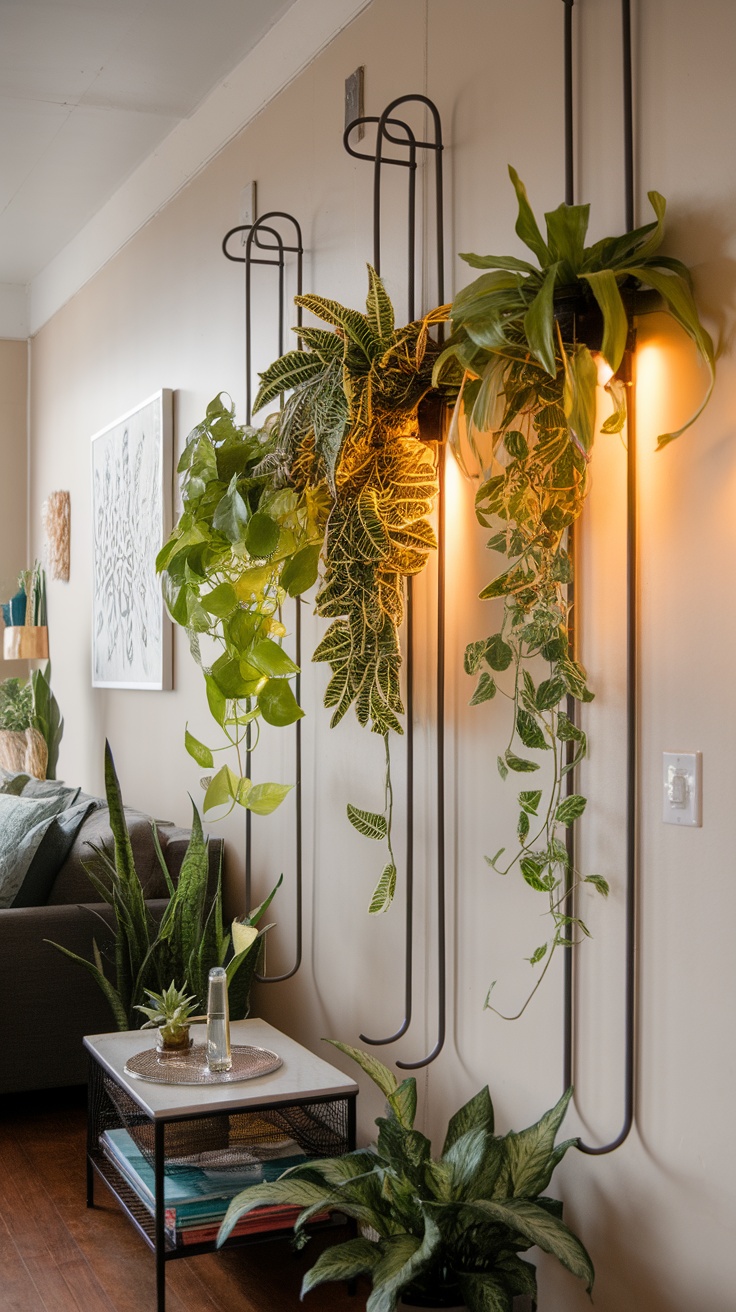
[{"x": 56, "y": 526}]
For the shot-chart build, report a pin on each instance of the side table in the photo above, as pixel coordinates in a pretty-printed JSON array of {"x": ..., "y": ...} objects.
[{"x": 305, "y": 1099}]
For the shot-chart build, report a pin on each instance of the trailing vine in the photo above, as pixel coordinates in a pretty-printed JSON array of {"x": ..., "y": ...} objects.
[
  {"x": 528, "y": 382},
  {"x": 239, "y": 548},
  {"x": 350, "y": 424}
]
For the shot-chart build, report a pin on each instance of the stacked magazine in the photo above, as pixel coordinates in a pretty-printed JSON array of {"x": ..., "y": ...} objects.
[{"x": 197, "y": 1191}]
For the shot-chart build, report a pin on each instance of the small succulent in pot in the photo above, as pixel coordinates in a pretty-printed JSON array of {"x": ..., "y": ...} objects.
[{"x": 171, "y": 1013}]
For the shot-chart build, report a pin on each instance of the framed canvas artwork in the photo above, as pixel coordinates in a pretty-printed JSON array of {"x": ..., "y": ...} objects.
[{"x": 131, "y": 518}]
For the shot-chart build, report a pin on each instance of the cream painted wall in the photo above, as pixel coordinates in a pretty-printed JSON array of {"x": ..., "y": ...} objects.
[
  {"x": 658, "y": 1216},
  {"x": 14, "y": 480}
]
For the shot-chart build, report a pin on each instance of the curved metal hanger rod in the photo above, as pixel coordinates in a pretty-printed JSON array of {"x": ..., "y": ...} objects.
[
  {"x": 255, "y": 232},
  {"x": 410, "y": 142},
  {"x": 631, "y": 639}
]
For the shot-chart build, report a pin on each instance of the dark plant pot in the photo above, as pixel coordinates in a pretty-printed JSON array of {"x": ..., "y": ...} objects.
[{"x": 522, "y": 1303}]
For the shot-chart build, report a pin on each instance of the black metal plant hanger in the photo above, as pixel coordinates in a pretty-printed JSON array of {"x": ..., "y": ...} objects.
[
  {"x": 631, "y": 633},
  {"x": 254, "y": 243},
  {"x": 386, "y": 129}
]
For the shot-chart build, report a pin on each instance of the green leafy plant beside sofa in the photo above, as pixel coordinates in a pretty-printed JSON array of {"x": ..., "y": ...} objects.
[
  {"x": 447, "y": 1229},
  {"x": 528, "y": 398},
  {"x": 240, "y": 547},
  {"x": 350, "y": 426},
  {"x": 188, "y": 940},
  {"x": 30, "y": 704}
]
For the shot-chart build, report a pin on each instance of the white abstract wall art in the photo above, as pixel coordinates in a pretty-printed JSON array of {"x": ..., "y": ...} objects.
[{"x": 131, "y": 518}]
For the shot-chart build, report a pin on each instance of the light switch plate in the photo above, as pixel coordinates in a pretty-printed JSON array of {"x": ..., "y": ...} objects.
[{"x": 682, "y": 788}]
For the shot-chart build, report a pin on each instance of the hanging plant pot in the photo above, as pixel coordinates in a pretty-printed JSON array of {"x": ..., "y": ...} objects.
[{"x": 26, "y": 642}]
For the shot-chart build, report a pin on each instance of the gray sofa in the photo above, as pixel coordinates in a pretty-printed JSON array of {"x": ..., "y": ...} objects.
[{"x": 49, "y": 1002}]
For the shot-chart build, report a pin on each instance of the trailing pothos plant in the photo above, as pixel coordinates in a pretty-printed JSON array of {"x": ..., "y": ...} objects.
[
  {"x": 528, "y": 382},
  {"x": 350, "y": 427},
  {"x": 239, "y": 548}
]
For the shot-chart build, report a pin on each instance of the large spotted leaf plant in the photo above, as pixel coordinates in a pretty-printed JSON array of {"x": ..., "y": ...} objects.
[
  {"x": 349, "y": 427},
  {"x": 528, "y": 391}
]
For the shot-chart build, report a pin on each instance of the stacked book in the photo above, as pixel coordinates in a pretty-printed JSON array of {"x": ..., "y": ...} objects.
[{"x": 196, "y": 1195}]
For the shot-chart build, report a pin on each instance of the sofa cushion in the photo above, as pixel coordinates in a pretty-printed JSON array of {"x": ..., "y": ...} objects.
[
  {"x": 28, "y": 786},
  {"x": 72, "y": 883},
  {"x": 23, "y": 825},
  {"x": 51, "y": 854}
]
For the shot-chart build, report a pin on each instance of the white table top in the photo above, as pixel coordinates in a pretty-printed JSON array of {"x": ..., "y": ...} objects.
[{"x": 302, "y": 1075}]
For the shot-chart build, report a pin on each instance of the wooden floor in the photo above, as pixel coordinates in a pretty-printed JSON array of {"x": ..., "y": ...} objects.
[{"x": 56, "y": 1255}]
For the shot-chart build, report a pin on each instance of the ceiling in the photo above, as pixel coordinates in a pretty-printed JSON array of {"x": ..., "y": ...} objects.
[{"x": 88, "y": 90}]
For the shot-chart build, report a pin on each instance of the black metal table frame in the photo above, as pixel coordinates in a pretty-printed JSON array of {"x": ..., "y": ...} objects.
[{"x": 164, "y": 1249}]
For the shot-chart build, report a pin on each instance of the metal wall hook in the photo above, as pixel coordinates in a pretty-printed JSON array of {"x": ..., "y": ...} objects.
[
  {"x": 631, "y": 645},
  {"x": 387, "y": 128},
  {"x": 279, "y": 248}
]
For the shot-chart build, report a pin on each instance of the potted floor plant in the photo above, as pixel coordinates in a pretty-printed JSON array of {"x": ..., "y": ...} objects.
[
  {"x": 531, "y": 340},
  {"x": 443, "y": 1231},
  {"x": 189, "y": 939}
]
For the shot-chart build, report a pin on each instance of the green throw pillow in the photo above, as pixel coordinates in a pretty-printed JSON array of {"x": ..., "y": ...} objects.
[{"x": 23, "y": 825}]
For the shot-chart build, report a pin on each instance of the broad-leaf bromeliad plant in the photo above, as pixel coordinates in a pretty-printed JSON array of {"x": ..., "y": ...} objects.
[
  {"x": 450, "y": 1228},
  {"x": 528, "y": 382},
  {"x": 350, "y": 426}
]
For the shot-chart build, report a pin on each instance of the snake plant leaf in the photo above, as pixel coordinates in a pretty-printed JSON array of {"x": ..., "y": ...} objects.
[
  {"x": 277, "y": 703},
  {"x": 383, "y": 893},
  {"x": 290, "y": 370},
  {"x": 539, "y": 322},
  {"x": 540, "y": 1228},
  {"x": 604, "y": 287},
  {"x": 526, "y": 224},
  {"x": 355, "y": 1257},
  {"x": 201, "y": 754},
  {"x": 566, "y": 229},
  {"x": 112, "y": 995}
]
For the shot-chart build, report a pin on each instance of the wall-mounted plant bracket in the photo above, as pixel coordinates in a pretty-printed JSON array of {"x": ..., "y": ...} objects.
[
  {"x": 637, "y": 304},
  {"x": 396, "y": 132},
  {"x": 264, "y": 244}
]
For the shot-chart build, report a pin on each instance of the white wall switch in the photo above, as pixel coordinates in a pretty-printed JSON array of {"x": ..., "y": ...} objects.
[{"x": 682, "y": 783}]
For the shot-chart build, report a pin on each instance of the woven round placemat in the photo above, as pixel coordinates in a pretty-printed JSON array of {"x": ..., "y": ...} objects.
[{"x": 191, "y": 1067}]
